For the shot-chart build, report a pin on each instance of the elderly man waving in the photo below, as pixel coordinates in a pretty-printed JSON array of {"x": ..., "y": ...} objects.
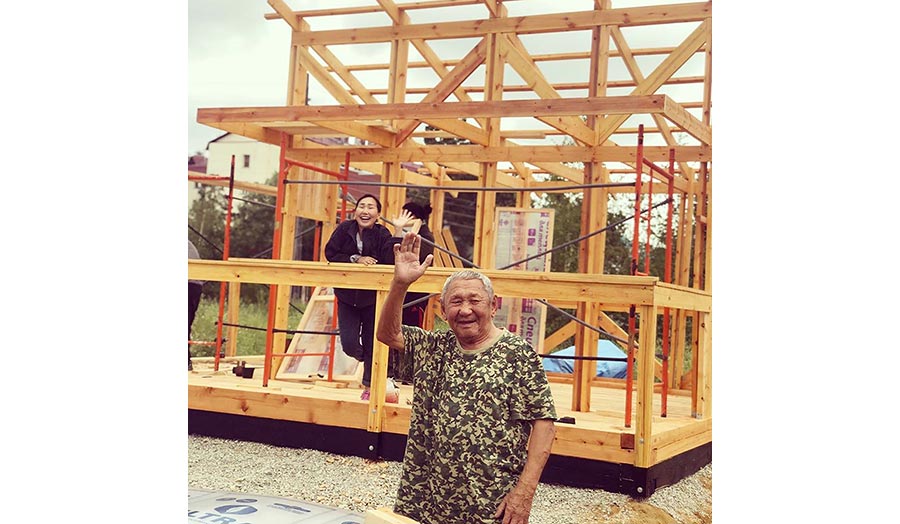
[{"x": 482, "y": 420}]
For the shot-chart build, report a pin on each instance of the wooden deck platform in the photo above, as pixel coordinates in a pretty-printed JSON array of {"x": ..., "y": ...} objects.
[{"x": 596, "y": 451}]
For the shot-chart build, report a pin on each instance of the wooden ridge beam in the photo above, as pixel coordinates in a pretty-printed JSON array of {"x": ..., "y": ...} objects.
[
  {"x": 559, "y": 86},
  {"x": 516, "y": 153},
  {"x": 608, "y": 105},
  {"x": 549, "y": 23},
  {"x": 546, "y": 57}
]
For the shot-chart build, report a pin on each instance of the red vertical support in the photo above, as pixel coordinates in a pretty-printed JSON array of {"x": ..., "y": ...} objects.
[
  {"x": 223, "y": 286},
  {"x": 276, "y": 253},
  {"x": 667, "y": 277},
  {"x": 632, "y": 331},
  {"x": 649, "y": 229}
]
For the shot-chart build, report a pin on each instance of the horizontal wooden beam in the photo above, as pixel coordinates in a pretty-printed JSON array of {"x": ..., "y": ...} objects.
[
  {"x": 609, "y": 289},
  {"x": 679, "y": 297},
  {"x": 687, "y": 122},
  {"x": 457, "y": 153},
  {"x": 282, "y": 116},
  {"x": 252, "y": 187},
  {"x": 548, "y": 23},
  {"x": 551, "y": 57},
  {"x": 559, "y": 86}
]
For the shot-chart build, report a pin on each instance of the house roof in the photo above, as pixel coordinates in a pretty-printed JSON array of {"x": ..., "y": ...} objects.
[{"x": 197, "y": 164}]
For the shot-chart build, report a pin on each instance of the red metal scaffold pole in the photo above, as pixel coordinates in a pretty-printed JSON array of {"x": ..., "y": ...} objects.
[
  {"x": 632, "y": 328},
  {"x": 667, "y": 277},
  {"x": 334, "y": 313}
]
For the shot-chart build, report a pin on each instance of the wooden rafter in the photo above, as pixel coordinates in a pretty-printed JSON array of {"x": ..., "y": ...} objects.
[
  {"x": 448, "y": 84},
  {"x": 664, "y": 70},
  {"x": 517, "y": 57},
  {"x": 574, "y": 21}
]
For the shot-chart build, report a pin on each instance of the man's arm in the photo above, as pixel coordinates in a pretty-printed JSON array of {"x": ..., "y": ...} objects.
[
  {"x": 388, "y": 331},
  {"x": 407, "y": 270},
  {"x": 516, "y": 506}
]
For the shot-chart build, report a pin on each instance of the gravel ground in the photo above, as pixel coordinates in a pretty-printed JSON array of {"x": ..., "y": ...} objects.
[{"x": 358, "y": 484}]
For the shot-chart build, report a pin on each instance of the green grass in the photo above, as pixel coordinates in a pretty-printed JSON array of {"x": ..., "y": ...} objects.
[{"x": 249, "y": 341}]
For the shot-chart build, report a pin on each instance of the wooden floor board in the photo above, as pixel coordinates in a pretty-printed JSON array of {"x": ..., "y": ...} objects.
[{"x": 596, "y": 434}]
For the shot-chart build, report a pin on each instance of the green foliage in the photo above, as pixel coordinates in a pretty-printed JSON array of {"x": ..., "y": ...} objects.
[
  {"x": 249, "y": 341},
  {"x": 251, "y": 232}
]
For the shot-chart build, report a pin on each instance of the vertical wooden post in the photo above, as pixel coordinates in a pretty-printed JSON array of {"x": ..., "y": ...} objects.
[
  {"x": 586, "y": 345},
  {"x": 643, "y": 432},
  {"x": 378, "y": 387},
  {"x": 234, "y": 306},
  {"x": 701, "y": 398},
  {"x": 591, "y": 252},
  {"x": 486, "y": 201}
]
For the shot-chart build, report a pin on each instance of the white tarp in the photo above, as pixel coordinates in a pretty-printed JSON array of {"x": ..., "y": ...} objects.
[{"x": 224, "y": 507}]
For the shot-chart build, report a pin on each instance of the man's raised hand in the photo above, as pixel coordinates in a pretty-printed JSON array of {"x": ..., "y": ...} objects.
[{"x": 407, "y": 268}]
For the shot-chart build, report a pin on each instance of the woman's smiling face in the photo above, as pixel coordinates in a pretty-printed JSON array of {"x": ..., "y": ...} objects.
[{"x": 366, "y": 213}]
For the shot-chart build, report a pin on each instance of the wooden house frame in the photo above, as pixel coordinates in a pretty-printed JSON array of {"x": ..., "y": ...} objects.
[{"x": 501, "y": 77}]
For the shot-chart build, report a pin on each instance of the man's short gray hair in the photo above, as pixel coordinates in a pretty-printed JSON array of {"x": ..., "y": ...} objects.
[{"x": 468, "y": 274}]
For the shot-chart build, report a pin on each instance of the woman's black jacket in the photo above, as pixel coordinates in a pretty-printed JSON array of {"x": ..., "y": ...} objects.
[{"x": 378, "y": 243}]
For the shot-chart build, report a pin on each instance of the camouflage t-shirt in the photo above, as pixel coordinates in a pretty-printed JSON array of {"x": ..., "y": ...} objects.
[{"x": 469, "y": 428}]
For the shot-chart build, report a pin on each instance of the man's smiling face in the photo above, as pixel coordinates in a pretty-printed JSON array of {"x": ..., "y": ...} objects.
[{"x": 469, "y": 311}]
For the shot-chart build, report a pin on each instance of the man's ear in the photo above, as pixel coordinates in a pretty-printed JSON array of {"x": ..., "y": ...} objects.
[{"x": 443, "y": 311}]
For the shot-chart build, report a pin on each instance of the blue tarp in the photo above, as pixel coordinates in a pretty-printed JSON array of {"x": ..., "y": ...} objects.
[{"x": 605, "y": 348}]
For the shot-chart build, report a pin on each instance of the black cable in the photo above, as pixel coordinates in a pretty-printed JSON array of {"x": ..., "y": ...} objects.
[
  {"x": 576, "y": 357},
  {"x": 289, "y": 331},
  {"x": 208, "y": 241}
]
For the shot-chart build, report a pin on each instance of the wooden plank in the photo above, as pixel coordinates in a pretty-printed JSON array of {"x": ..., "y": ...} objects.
[
  {"x": 559, "y": 336},
  {"x": 670, "y": 295},
  {"x": 234, "y": 302},
  {"x": 252, "y": 187},
  {"x": 377, "y": 135},
  {"x": 585, "y": 345},
  {"x": 386, "y": 516},
  {"x": 662, "y": 128},
  {"x": 324, "y": 77},
  {"x": 451, "y": 246},
  {"x": 673, "y": 442},
  {"x": 378, "y": 386},
  {"x": 344, "y": 74},
  {"x": 555, "y": 22},
  {"x": 284, "y": 116},
  {"x": 285, "y": 13},
  {"x": 679, "y": 116},
  {"x": 505, "y": 153},
  {"x": 606, "y": 289},
  {"x": 448, "y": 84},
  {"x": 663, "y": 71},
  {"x": 573, "y": 441},
  {"x": 644, "y": 412},
  {"x": 277, "y": 405},
  {"x": 702, "y": 404}
]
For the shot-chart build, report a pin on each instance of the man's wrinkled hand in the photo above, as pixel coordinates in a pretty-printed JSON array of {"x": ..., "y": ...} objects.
[
  {"x": 407, "y": 268},
  {"x": 516, "y": 506}
]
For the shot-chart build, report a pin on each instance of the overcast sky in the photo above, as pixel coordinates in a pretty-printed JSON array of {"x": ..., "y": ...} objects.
[{"x": 237, "y": 58}]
